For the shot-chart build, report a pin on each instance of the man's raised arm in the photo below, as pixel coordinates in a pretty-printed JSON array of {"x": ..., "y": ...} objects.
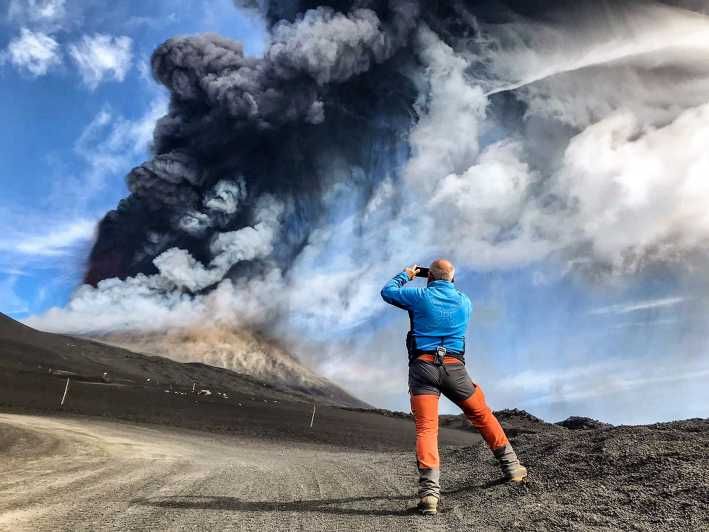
[{"x": 395, "y": 293}]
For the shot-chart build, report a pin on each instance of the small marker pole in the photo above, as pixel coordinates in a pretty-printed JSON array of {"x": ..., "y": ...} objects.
[
  {"x": 66, "y": 390},
  {"x": 312, "y": 418}
]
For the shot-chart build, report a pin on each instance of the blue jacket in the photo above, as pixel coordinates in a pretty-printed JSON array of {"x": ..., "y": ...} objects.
[{"x": 439, "y": 313}]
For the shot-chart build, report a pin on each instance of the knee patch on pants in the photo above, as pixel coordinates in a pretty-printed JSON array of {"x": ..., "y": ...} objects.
[{"x": 480, "y": 415}]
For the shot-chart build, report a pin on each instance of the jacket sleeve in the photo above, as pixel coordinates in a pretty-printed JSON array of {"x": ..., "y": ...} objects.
[{"x": 396, "y": 294}]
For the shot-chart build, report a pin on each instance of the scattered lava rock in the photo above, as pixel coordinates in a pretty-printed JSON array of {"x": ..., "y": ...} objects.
[
  {"x": 510, "y": 414},
  {"x": 582, "y": 423},
  {"x": 514, "y": 421}
]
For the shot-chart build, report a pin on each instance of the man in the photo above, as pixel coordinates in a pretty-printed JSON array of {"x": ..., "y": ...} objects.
[{"x": 439, "y": 316}]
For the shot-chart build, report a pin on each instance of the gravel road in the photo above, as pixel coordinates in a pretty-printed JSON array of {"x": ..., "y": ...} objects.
[{"x": 70, "y": 474}]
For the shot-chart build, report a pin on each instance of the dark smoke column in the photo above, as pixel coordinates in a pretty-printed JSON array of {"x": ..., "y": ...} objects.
[{"x": 329, "y": 101}]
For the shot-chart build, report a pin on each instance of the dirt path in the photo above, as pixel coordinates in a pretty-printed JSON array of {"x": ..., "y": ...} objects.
[{"x": 66, "y": 474}]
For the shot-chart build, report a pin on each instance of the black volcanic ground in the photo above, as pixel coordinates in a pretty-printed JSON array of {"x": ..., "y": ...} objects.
[{"x": 260, "y": 466}]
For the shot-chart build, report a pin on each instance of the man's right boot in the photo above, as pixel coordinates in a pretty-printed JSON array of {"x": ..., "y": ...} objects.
[
  {"x": 428, "y": 505},
  {"x": 512, "y": 470}
]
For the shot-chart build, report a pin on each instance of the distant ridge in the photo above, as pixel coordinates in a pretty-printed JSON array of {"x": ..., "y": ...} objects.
[{"x": 23, "y": 348}]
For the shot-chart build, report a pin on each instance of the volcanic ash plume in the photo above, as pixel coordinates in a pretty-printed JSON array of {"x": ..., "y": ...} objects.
[{"x": 284, "y": 188}]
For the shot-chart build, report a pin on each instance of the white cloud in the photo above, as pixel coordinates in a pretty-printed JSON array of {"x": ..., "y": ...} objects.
[
  {"x": 34, "y": 52},
  {"x": 55, "y": 242},
  {"x": 36, "y": 11},
  {"x": 638, "y": 192},
  {"x": 102, "y": 57},
  {"x": 635, "y": 306},
  {"x": 153, "y": 303},
  {"x": 138, "y": 303}
]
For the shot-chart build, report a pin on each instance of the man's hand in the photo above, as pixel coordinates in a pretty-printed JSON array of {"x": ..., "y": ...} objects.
[{"x": 412, "y": 271}]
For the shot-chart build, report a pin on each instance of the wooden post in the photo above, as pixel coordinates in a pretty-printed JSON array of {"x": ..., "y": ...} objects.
[
  {"x": 66, "y": 390},
  {"x": 312, "y": 418}
]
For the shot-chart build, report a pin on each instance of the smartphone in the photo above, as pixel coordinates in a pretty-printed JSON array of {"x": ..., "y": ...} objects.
[{"x": 423, "y": 272}]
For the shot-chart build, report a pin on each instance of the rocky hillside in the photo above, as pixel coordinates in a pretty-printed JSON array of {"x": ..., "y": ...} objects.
[{"x": 26, "y": 350}]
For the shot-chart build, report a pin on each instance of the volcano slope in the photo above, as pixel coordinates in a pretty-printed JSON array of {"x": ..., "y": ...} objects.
[{"x": 27, "y": 355}]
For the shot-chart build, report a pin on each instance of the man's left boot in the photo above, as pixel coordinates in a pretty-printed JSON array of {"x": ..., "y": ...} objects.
[
  {"x": 428, "y": 505},
  {"x": 512, "y": 470}
]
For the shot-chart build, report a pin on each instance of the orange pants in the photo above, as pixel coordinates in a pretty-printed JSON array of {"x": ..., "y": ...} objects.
[{"x": 425, "y": 410}]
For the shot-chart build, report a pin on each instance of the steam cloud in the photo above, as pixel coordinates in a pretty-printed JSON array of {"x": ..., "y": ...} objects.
[{"x": 284, "y": 188}]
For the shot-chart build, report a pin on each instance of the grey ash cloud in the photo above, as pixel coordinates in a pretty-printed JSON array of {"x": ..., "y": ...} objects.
[{"x": 366, "y": 130}]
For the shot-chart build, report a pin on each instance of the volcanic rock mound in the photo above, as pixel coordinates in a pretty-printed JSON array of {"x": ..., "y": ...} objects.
[
  {"x": 514, "y": 421},
  {"x": 582, "y": 423}
]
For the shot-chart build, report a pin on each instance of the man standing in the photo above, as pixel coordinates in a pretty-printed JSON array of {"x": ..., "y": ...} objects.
[{"x": 439, "y": 316}]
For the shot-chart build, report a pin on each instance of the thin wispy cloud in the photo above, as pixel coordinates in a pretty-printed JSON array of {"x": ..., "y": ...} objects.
[
  {"x": 52, "y": 243},
  {"x": 101, "y": 58},
  {"x": 542, "y": 380},
  {"x": 14, "y": 272},
  {"x": 613, "y": 376},
  {"x": 648, "y": 323},
  {"x": 152, "y": 23},
  {"x": 615, "y": 385},
  {"x": 636, "y": 306},
  {"x": 108, "y": 145}
]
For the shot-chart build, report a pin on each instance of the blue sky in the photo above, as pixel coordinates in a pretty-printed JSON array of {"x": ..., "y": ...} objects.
[{"x": 78, "y": 105}]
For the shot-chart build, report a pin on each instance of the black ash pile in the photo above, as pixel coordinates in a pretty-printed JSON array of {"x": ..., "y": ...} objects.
[{"x": 653, "y": 477}]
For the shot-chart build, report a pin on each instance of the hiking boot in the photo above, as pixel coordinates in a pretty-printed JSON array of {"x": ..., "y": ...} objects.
[
  {"x": 512, "y": 470},
  {"x": 428, "y": 505},
  {"x": 518, "y": 474}
]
